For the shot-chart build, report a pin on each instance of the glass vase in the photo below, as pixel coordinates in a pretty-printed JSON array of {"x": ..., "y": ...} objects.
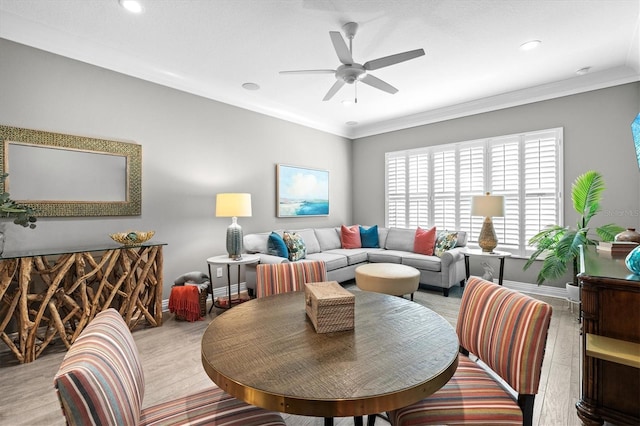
[{"x": 633, "y": 260}]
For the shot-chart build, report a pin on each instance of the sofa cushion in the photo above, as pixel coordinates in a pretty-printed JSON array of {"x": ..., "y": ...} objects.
[
  {"x": 353, "y": 256},
  {"x": 256, "y": 243},
  {"x": 328, "y": 238},
  {"x": 350, "y": 237},
  {"x": 424, "y": 241},
  {"x": 295, "y": 244},
  {"x": 446, "y": 240},
  {"x": 276, "y": 246},
  {"x": 382, "y": 236},
  {"x": 332, "y": 261},
  {"x": 388, "y": 256},
  {"x": 400, "y": 239},
  {"x": 310, "y": 240},
  {"x": 422, "y": 261},
  {"x": 369, "y": 237}
]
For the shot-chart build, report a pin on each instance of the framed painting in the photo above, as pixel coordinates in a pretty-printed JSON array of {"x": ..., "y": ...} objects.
[{"x": 301, "y": 191}]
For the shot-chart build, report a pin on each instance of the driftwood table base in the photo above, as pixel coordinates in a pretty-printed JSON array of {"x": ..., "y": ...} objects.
[{"x": 55, "y": 297}]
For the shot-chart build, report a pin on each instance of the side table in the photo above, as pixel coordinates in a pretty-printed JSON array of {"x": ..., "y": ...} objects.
[
  {"x": 246, "y": 259},
  {"x": 495, "y": 254}
]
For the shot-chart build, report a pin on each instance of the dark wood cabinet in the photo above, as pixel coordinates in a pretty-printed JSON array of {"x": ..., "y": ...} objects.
[{"x": 610, "y": 296}]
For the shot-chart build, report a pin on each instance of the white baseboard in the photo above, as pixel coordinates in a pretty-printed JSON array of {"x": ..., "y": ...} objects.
[
  {"x": 217, "y": 292},
  {"x": 542, "y": 290}
]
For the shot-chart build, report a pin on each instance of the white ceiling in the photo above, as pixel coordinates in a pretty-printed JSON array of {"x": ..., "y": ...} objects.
[{"x": 472, "y": 64}]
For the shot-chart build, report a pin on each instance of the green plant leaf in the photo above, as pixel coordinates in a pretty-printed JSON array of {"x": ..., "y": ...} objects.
[
  {"x": 562, "y": 244},
  {"x": 552, "y": 267},
  {"x": 609, "y": 231},
  {"x": 586, "y": 193}
]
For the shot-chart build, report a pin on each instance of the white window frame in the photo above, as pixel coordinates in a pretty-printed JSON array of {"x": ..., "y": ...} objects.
[{"x": 501, "y": 175}]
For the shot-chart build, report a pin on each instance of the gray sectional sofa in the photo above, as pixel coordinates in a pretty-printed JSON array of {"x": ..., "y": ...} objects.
[{"x": 396, "y": 246}]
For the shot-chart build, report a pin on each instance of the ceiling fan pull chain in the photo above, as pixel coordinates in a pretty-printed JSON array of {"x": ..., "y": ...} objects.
[{"x": 355, "y": 86}]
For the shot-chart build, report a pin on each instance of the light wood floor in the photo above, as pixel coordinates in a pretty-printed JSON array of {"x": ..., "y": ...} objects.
[{"x": 171, "y": 359}]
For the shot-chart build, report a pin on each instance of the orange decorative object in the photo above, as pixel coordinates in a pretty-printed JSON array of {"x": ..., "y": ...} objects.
[{"x": 184, "y": 301}]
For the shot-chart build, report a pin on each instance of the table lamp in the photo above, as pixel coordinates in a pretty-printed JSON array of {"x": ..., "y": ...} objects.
[
  {"x": 488, "y": 206},
  {"x": 233, "y": 206}
]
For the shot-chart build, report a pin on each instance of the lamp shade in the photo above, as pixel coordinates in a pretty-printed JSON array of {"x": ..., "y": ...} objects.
[
  {"x": 233, "y": 205},
  {"x": 487, "y": 205}
]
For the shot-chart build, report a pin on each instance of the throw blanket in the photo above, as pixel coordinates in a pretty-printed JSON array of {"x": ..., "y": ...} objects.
[{"x": 185, "y": 302}]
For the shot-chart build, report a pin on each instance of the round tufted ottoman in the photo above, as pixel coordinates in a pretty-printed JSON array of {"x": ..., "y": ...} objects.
[{"x": 388, "y": 278}]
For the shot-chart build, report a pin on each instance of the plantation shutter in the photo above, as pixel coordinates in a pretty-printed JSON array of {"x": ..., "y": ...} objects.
[
  {"x": 444, "y": 189},
  {"x": 541, "y": 186},
  {"x": 471, "y": 184},
  {"x": 419, "y": 190},
  {"x": 433, "y": 186},
  {"x": 396, "y": 182},
  {"x": 505, "y": 181}
]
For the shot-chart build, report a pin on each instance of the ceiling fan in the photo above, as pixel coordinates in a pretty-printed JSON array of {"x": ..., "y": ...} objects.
[{"x": 351, "y": 72}]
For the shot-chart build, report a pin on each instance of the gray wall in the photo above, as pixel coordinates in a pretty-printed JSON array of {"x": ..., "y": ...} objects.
[
  {"x": 192, "y": 149},
  {"x": 195, "y": 147},
  {"x": 597, "y": 135}
]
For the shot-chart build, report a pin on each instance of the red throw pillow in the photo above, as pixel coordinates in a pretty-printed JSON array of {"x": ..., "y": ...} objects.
[
  {"x": 350, "y": 237},
  {"x": 425, "y": 241}
]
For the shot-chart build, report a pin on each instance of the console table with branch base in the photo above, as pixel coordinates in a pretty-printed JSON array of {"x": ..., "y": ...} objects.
[{"x": 51, "y": 295}]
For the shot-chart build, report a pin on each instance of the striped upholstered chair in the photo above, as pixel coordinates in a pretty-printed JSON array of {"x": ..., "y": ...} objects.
[
  {"x": 100, "y": 382},
  {"x": 284, "y": 277},
  {"x": 507, "y": 331}
]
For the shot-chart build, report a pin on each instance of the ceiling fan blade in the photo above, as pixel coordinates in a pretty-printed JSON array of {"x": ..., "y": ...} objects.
[
  {"x": 378, "y": 84},
  {"x": 341, "y": 48},
  {"x": 309, "y": 72},
  {"x": 334, "y": 89},
  {"x": 392, "y": 59}
]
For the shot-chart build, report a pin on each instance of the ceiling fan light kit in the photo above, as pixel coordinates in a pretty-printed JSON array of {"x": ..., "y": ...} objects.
[{"x": 351, "y": 72}]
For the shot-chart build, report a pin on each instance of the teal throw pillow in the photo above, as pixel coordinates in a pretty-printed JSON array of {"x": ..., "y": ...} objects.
[
  {"x": 446, "y": 240},
  {"x": 296, "y": 246},
  {"x": 276, "y": 246},
  {"x": 369, "y": 237}
]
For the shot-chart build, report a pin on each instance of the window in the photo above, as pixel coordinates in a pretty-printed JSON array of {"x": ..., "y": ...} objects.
[{"x": 433, "y": 186}]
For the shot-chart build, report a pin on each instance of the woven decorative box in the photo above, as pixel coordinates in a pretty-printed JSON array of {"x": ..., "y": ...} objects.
[{"x": 329, "y": 306}]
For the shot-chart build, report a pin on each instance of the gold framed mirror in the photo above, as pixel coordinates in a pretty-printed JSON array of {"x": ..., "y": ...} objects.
[{"x": 64, "y": 175}]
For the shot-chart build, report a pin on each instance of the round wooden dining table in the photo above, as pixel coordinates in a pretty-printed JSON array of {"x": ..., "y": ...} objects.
[{"x": 266, "y": 352}]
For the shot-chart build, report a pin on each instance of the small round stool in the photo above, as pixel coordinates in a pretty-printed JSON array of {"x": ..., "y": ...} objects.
[{"x": 388, "y": 278}]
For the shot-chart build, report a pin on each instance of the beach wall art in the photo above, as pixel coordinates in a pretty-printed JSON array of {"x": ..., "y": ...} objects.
[{"x": 302, "y": 191}]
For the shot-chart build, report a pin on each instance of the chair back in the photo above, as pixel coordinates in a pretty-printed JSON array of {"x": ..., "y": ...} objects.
[
  {"x": 505, "y": 329},
  {"x": 284, "y": 277},
  {"x": 100, "y": 380}
]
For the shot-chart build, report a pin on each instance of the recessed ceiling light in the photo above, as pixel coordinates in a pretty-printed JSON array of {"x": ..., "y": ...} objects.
[
  {"x": 583, "y": 71},
  {"x": 250, "y": 86},
  {"x": 351, "y": 123},
  {"x": 347, "y": 102},
  {"x": 132, "y": 6},
  {"x": 529, "y": 45}
]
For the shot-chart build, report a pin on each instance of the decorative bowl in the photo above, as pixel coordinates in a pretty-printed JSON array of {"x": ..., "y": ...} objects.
[{"x": 131, "y": 238}]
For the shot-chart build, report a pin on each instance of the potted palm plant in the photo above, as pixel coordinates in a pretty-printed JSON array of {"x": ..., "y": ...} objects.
[{"x": 560, "y": 245}]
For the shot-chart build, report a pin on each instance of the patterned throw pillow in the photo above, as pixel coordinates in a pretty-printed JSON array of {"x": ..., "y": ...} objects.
[
  {"x": 295, "y": 244},
  {"x": 446, "y": 240}
]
